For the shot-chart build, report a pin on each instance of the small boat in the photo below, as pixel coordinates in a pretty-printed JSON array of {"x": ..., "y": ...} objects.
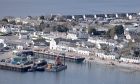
[
  {"x": 78, "y": 59},
  {"x": 55, "y": 68},
  {"x": 41, "y": 62},
  {"x": 58, "y": 66},
  {"x": 32, "y": 69},
  {"x": 41, "y": 68}
]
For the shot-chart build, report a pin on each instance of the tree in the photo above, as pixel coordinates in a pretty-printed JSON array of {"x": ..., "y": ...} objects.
[
  {"x": 136, "y": 53},
  {"x": 74, "y": 23},
  {"x": 5, "y": 20},
  {"x": 41, "y": 17},
  {"x": 42, "y": 26},
  {"x": 91, "y": 30},
  {"x": 61, "y": 28},
  {"x": 119, "y": 30},
  {"x": 111, "y": 33}
]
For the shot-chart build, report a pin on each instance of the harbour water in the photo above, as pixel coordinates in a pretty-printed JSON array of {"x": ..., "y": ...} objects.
[
  {"x": 43, "y": 7},
  {"x": 74, "y": 74}
]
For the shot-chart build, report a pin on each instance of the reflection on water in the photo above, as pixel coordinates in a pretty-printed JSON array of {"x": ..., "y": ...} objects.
[{"x": 91, "y": 73}]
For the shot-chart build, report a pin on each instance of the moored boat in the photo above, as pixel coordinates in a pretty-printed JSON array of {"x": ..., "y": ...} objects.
[
  {"x": 54, "y": 68},
  {"x": 57, "y": 66}
]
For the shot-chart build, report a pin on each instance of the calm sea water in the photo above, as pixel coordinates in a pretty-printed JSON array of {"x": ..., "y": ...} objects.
[
  {"x": 43, "y": 7},
  {"x": 74, "y": 74}
]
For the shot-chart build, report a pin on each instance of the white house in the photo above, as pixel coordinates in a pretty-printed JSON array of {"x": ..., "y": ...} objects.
[
  {"x": 20, "y": 47},
  {"x": 100, "y": 40},
  {"x": 5, "y": 29},
  {"x": 69, "y": 47},
  {"x": 105, "y": 56},
  {"x": 131, "y": 35},
  {"x": 72, "y": 35},
  {"x": 53, "y": 45},
  {"x": 18, "y": 20},
  {"x": 115, "y": 37},
  {"x": 48, "y": 38},
  {"x": 97, "y": 40},
  {"x": 127, "y": 35},
  {"x": 3, "y": 42},
  {"x": 83, "y": 51},
  {"x": 130, "y": 60}
]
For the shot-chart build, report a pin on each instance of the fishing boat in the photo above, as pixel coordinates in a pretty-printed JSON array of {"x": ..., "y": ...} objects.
[
  {"x": 77, "y": 59},
  {"x": 54, "y": 68}
]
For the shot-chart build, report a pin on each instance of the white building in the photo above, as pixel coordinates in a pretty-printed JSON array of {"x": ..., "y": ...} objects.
[
  {"x": 130, "y": 60},
  {"x": 20, "y": 47},
  {"x": 83, "y": 51},
  {"x": 131, "y": 35},
  {"x": 72, "y": 36},
  {"x": 5, "y": 29},
  {"x": 100, "y": 40},
  {"x": 69, "y": 47},
  {"x": 115, "y": 37},
  {"x": 48, "y": 38},
  {"x": 105, "y": 56},
  {"x": 3, "y": 42},
  {"x": 18, "y": 20},
  {"x": 53, "y": 45}
]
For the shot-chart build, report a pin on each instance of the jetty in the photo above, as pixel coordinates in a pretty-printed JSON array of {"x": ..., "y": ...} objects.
[
  {"x": 31, "y": 64},
  {"x": 11, "y": 67},
  {"x": 76, "y": 59}
]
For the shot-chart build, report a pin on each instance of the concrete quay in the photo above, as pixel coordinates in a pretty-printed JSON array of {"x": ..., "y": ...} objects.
[{"x": 11, "y": 67}]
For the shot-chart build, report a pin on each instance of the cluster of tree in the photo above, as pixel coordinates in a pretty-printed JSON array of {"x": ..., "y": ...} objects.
[
  {"x": 10, "y": 22},
  {"x": 60, "y": 28},
  {"x": 93, "y": 31},
  {"x": 117, "y": 30},
  {"x": 5, "y": 20},
  {"x": 42, "y": 17},
  {"x": 40, "y": 27},
  {"x": 47, "y": 27},
  {"x": 137, "y": 53}
]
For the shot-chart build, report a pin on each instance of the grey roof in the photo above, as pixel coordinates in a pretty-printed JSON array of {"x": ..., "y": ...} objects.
[
  {"x": 41, "y": 42},
  {"x": 67, "y": 16},
  {"x": 78, "y": 16},
  {"x": 133, "y": 14},
  {"x": 66, "y": 40},
  {"x": 122, "y": 15},
  {"x": 111, "y": 15},
  {"x": 89, "y": 16},
  {"x": 100, "y": 15},
  {"x": 64, "y": 43}
]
